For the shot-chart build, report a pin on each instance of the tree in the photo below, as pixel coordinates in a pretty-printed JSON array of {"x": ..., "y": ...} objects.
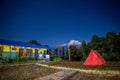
[
  {"x": 108, "y": 46},
  {"x": 62, "y": 52},
  {"x": 84, "y": 49},
  {"x": 56, "y": 51},
  {"x": 34, "y": 42},
  {"x": 117, "y": 43},
  {"x": 98, "y": 43},
  {"x": 113, "y": 43},
  {"x": 94, "y": 42},
  {"x": 74, "y": 54},
  {"x": 111, "y": 40}
]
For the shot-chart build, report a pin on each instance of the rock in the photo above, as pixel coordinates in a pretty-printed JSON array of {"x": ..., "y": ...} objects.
[{"x": 62, "y": 75}]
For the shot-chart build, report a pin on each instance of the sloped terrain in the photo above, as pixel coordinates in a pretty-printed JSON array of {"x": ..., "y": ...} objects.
[
  {"x": 24, "y": 72},
  {"x": 86, "y": 76}
]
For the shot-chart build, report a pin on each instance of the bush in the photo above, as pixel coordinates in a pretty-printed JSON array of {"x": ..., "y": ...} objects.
[
  {"x": 111, "y": 56},
  {"x": 6, "y": 60},
  {"x": 105, "y": 56},
  {"x": 17, "y": 60},
  {"x": 57, "y": 59},
  {"x": 33, "y": 58},
  {"x": 30, "y": 58},
  {"x": 114, "y": 57},
  {"x": 0, "y": 61},
  {"x": 22, "y": 59}
]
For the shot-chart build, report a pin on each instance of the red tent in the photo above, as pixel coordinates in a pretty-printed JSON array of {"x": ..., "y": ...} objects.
[{"x": 94, "y": 58}]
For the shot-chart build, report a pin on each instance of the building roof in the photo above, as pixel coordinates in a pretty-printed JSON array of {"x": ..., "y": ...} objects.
[{"x": 21, "y": 44}]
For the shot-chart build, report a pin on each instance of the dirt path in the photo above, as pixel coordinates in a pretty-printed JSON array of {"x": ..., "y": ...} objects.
[
  {"x": 81, "y": 74},
  {"x": 105, "y": 72},
  {"x": 87, "y": 76}
]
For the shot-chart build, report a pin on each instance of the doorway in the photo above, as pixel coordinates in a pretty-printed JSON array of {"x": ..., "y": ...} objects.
[{"x": 21, "y": 52}]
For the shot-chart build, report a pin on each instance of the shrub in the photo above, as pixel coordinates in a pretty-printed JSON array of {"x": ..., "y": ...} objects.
[
  {"x": 30, "y": 58},
  {"x": 33, "y": 58},
  {"x": 57, "y": 59},
  {"x": 0, "y": 60},
  {"x": 6, "y": 60},
  {"x": 23, "y": 59},
  {"x": 20, "y": 59},
  {"x": 17, "y": 60}
]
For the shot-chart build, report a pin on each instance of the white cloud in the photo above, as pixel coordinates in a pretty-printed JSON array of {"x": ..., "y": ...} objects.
[
  {"x": 64, "y": 45},
  {"x": 75, "y": 43}
]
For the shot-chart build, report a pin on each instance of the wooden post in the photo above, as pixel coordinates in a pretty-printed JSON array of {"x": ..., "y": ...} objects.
[{"x": 69, "y": 54}]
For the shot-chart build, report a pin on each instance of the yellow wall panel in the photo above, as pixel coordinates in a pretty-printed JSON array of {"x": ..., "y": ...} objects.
[
  {"x": 1, "y": 45},
  {"x": 6, "y": 48},
  {"x": 41, "y": 50},
  {"x": 15, "y": 48},
  {"x": 33, "y": 50}
]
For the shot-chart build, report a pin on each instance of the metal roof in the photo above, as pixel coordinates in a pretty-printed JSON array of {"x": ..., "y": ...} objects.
[{"x": 21, "y": 44}]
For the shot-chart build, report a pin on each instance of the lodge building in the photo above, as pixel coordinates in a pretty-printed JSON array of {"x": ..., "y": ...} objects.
[{"x": 16, "y": 49}]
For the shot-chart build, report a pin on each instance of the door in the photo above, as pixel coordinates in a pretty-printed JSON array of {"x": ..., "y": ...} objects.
[
  {"x": 44, "y": 55},
  {"x": 21, "y": 52}
]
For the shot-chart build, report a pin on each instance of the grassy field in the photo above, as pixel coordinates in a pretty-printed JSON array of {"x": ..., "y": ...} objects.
[
  {"x": 87, "y": 76},
  {"x": 114, "y": 66},
  {"x": 32, "y": 71},
  {"x": 24, "y": 72},
  {"x": 79, "y": 65}
]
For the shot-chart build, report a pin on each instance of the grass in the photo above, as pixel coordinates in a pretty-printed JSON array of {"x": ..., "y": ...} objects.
[
  {"x": 114, "y": 66},
  {"x": 24, "y": 72},
  {"x": 87, "y": 76},
  {"x": 32, "y": 71},
  {"x": 79, "y": 65}
]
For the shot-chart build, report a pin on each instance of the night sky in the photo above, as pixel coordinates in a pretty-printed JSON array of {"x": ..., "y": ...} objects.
[{"x": 55, "y": 22}]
